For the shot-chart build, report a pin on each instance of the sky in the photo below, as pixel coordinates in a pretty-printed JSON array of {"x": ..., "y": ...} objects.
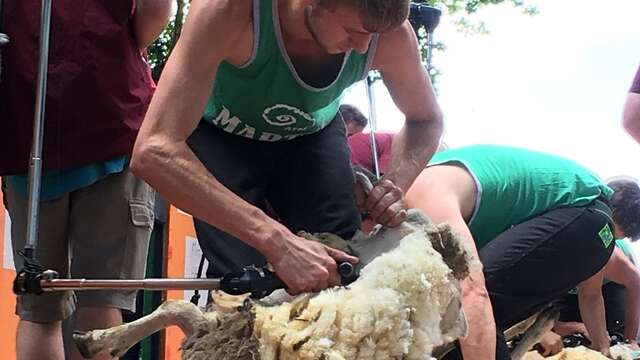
[{"x": 555, "y": 82}]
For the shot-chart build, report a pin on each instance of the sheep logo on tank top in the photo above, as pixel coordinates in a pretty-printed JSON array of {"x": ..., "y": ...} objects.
[{"x": 289, "y": 117}]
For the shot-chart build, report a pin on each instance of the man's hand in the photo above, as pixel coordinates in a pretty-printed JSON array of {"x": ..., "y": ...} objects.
[
  {"x": 604, "y": 350},
  {"x": 384, "y": 203},
  {"x": 307, "y": 266},
  {"x": 551, "y": 343},
  {"x": 591, "y": 306}
]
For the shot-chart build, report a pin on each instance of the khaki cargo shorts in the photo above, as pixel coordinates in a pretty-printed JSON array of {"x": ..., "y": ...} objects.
[{"x": 99, "y": 231}]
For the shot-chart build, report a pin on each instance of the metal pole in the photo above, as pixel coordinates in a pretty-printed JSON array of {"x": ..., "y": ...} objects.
[
  {"x": 427, "y": 17},
  {"x": 144, "y": 284},
  {"x": 372, "y": 126},
  {"x": 429, "y": 51},
  {"x": 35, "y": 166}
]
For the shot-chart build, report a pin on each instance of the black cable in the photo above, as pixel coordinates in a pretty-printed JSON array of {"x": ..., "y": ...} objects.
[
  {"x": 28, "y": 278},
  {"x": 196, "y": 294}
]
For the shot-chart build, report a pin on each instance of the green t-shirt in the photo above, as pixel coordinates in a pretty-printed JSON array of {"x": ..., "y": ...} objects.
[
  {"x": 265, "y": 99},
  {"x": 626, "y": 250},
  {"x": 516, "y": 184},
  {"x": 623, "y": 245}
]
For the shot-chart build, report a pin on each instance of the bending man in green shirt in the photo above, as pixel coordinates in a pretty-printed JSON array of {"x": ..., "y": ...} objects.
[
  {"x": 541, "y": 226},
  {"x": 621, "y": 294},
  {"x": 245, "y": 115}
]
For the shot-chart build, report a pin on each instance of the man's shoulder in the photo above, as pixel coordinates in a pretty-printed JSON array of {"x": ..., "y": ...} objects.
[
  {"x": 389, "y": 43},
  {"x": 237, "y": 12},
  {"x": 222, "y": 26},
  {"x": 238, "y": 9}
]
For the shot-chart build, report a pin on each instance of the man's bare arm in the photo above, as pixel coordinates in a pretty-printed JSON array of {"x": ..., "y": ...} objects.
[
  {"x": 149, "y": 19},
  {"x": 398, "y": 59},
  {"x": 622, "y": 271},
  {"x": 442, "y": 206},
  {"x": 213, "y": 33},
  {"x": 591, "y": 306},
  {"x": 631, "y": 116}
]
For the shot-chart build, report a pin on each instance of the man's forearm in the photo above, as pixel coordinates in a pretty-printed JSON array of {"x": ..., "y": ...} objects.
[
  {"x": 149, "y": 19},
  {"x": 593, "y": 315},
  {"x": 632, "y": 312},
  {"x": 480, "y": 343},
  {"x": 412, "y": 147},
  {"x": 175, "y": 171}
]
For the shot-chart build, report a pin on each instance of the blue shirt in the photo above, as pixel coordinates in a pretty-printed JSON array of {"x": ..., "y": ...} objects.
[{"x": 56, "y": 184}]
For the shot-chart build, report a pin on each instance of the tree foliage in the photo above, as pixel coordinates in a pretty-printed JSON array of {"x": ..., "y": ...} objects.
[
  {"x": 160, "y": 50},
  {"x": 461, "y": 13}
]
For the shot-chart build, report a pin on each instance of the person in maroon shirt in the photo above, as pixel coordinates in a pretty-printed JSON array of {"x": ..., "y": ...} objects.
[
  {"x": 631, "y": 116},
  {"x": 360, "y": 143},
  {"x": 98, "y": 90}
]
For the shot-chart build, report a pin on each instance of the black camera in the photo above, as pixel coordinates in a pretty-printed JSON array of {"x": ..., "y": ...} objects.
[{"x": 424, "y": 15}]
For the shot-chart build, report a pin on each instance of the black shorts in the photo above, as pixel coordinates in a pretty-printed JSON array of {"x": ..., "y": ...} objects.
[
  {"x": 307, "y": 181},
  {"x": 540, "y": 260}
]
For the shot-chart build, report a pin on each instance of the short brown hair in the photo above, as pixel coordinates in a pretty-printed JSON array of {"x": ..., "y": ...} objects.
[
  {"x": 625, "y": 204},
  {"x": 351, "y": 114},
  {"x": 377, "y": 15}
]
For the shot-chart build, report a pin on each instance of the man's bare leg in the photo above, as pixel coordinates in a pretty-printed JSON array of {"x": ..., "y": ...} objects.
[
  {"x": 39, "y": 341},
  {"x": 89, "y": 318}
]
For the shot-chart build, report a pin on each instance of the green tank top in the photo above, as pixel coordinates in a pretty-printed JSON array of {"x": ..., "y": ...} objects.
[
  {"x": 516, "y": 184},
  {"x": 265, "y": 99},
  {"x": 623, "y": 245}
]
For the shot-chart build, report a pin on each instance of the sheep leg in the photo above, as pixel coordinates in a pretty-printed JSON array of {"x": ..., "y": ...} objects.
[
  {"x": 543, "y": 323},
  {"x": 117, "y": 340},
  {"x": 520, "y": 327}
]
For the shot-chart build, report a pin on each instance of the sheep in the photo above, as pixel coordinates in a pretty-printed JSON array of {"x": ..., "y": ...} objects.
[
  {"x": 405, "y": 303},
  {"x": 618, "y": 352},
  {"x": 535, "y": 326}
]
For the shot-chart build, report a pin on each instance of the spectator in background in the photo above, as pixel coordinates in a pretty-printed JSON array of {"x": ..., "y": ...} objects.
[
  {"x": 631, "y": 115},
  {"x": 360, "y": 143},
  {"x": 621, "y": 294},
  {"x": 353, "y": 119},
  {"x": 621, "y": 288},
  {"x": 92, "y": 207}
]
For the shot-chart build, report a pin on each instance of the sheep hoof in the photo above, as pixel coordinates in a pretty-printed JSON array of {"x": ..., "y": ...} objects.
[{"x": 81, "y": 338}]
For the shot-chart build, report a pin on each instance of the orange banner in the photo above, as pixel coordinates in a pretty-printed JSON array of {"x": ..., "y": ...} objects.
[
  {"x": 183, "y": 256},
  {"x": 8, "y": 320}
]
